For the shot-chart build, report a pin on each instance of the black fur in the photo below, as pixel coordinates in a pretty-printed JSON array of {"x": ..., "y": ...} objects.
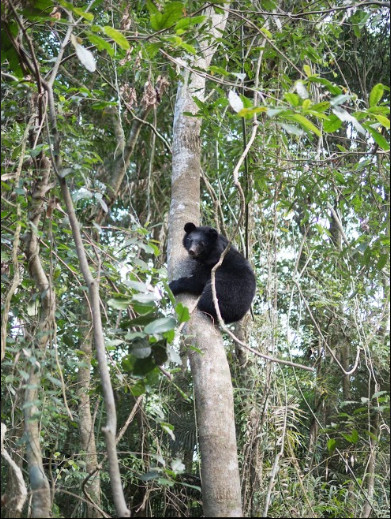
[{"x": 235, "y": 281}]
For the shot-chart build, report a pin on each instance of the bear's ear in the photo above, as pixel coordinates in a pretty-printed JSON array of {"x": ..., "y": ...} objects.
[
  {"x": 189, "y": 227},
  {"x": 213, "y": 233}
]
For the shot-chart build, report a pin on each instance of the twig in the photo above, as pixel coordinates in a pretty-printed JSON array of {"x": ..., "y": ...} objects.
[
  {"x": 19, "y": 494},
  {"x": 350, "y": 372},
  {"x": 15, "y": 245}
]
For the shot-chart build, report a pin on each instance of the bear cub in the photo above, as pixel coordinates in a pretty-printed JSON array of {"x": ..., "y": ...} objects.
[{"x": 235, "y": 280}]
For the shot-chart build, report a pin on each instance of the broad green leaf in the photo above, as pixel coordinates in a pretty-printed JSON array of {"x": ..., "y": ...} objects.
[
  {"x": 379, "y": 393},
  {"x": 267, "y": 33},
  {"x": 319, "y": 115},
  {"x": 138, "y": 389},
  {"x": 145, "y": 298},
  {"x": 376, "y": 94},
  {"x": 117, "y": 36},
  {"x": 379, "y": 110},
  {"x": 172, "y": 13},
  {"x": 351, "y": 438},
  {"x": 101, "y": 43},
  {"x": 305, "y": 123},
  {"x": 119, "y": 304},
  {"x": 83, "y": 14},
  {"x": 185, "y": 23},
  {"x": 332, "y": 124},
  {"x": 320, "y": 107},
  {"x": 249, "y": 112},
  {"x": 378, "y": 138},
  {"x": 331, "y": 445},
  {"x": 292, "y": 99},
  {"x": 307, "y": 70},
  {"x": 384, "y": 121},
  {"x": 182, "y": 312},
  {"x": 382, "y": 261},
  {"x": 331, "y": 87},
  {"x": 152, "y": 7},
  {"x": 218, "y": 70},
  {"x": 189, "y": 48},
  {"x": 161, "y": 325}
]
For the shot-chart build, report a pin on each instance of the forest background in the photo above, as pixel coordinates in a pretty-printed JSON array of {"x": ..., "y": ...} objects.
[{"x": 121, "y": 121}]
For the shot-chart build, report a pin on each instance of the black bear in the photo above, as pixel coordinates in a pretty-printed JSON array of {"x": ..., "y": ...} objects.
[{"x": 235, "y": 281}]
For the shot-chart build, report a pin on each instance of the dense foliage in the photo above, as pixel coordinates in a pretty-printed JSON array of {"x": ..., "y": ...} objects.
[{"x": 313, "y": 82}]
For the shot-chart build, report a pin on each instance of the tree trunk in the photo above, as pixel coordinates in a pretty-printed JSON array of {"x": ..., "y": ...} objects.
[
  {"x": 87, "y": 434},
  {"x": 212, "y": 380},
  {"x": 41, "y": 501}
]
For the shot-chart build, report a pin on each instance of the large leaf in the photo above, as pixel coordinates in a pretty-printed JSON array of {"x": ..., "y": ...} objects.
[
  {"x": 164, "y": 324},
  {"x": 171, "y": 14},
  {"x": 100, "y": 43},
  {"x": 305, "y": 123},
  {"x": 186, "y": 23},
  {"x": 376, "y": 94},
  {"x": 117, "y": 36},
  {"x": 378, "y": 137}
]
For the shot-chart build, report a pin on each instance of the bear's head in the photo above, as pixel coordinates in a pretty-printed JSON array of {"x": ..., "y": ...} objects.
[{"x": 200, "y": 242}]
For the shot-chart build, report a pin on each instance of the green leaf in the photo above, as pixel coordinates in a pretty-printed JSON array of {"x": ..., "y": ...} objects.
[
  {"x": 382, "y": 261},
  {"x": 185, "y": 23},
  {"x": 100, "y": 43},
  {"x": 332, "y": 124},
  {"x": 376, "y": 94},
  {"x": 384, "y": 121},
  {"x": 189, "y": 48},
  {"x": 83, "y": 14},
  {"x": 267, "y": 33},
  {"x": 117, "y": 36},
  {"x": 331, "y": 445},
  {"x": 119, "y": 304},
  {"x": 307, "y": 70},
  {"x": 378, "y": 137},
  {"x": 249, "y": 112},
  {"x": 292, "y": 99},
  {"x": 171, "y": 14},
  {"x": 321, "y": 107},
  {"x": 379, "y": 393},
  {"x": 331, "y": 87},
  {"x": 218, "y": 70},
  {"x": 351, "y": 438},
  {"x": 164, "y": 324},
  {"x": 182, "y": 312},
  {"x": 145, "y": 298},
  {"x": 138, "y": 389},
  {"x": 143, "y": 308},
  {"x": 305, "y": 123}
]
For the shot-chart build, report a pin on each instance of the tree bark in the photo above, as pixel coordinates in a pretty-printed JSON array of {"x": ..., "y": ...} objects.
[
  {"x": 41, "y": 501},
  {"x": 211, "y": 375},
  {"x": 87, "y": 433}
]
